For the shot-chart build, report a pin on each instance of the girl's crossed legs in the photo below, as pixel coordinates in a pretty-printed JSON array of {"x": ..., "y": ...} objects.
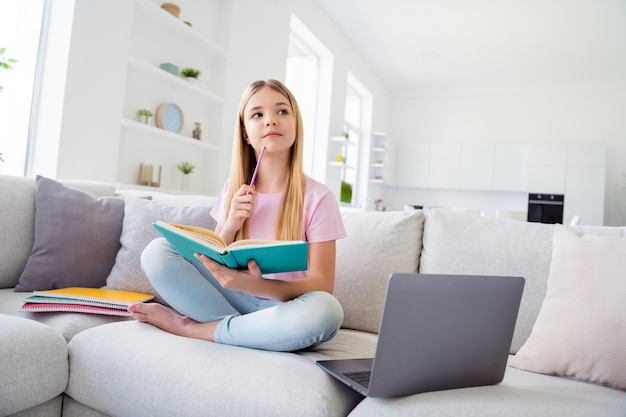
[{"x": 211, "y": 312}]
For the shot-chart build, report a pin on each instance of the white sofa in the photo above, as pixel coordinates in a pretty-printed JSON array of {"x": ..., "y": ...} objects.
[{"x": 69, "y": 364}]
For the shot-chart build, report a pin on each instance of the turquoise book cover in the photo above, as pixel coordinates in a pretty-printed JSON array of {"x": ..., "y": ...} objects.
[{"x": 272, "y": 256}]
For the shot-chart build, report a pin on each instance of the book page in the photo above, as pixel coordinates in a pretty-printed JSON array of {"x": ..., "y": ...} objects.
[
  {"x": 202, "y": 234},
  {"x": 251, "y": 243}
]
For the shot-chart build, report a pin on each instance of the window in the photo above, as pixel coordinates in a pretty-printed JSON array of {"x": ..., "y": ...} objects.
[
  {"x": 308, "y": 76},
  {"x": 20, "y": 29},
  {"x": 357, "y": 120}
]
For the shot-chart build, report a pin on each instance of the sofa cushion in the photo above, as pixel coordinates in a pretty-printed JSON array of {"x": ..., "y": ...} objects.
[
  {"x": 378, "y": 244},
  {"x": 17, "y": 224},
  {"x": 33, "y": 359},
  {"x": 137, "y": 232},
  {"x": 581, "y": 329},
  {"x": 458, "y": 243},
  {"x": 520, "y": 394},
  {"x": 133, "y": 368},
  {"x": 76, "y": 238}
]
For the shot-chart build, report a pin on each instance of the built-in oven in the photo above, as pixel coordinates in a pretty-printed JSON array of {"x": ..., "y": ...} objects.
[{"x": 545, "y": 208}]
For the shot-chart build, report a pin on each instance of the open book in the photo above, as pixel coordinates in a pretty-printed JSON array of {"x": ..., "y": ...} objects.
[{"x": 272, "y": 256}]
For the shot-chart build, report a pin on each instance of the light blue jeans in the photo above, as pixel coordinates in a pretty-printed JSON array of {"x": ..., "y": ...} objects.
[{"x": 245, "y": 320}]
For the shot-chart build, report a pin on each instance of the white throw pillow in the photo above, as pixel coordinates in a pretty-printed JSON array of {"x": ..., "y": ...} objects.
[{"x": 581, "y": 329}]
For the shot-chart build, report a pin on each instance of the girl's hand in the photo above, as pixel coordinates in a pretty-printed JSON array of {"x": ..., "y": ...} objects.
[
  {"x": 240, "y": 210},
  {"x": 247, "y": 281}
]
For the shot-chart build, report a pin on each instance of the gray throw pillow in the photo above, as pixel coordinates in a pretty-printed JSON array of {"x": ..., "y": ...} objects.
[
  {"x": 76, "y": 238},
  {"x": 137, "y": 232}
]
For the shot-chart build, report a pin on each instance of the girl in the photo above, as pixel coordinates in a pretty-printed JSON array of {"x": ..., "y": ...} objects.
[{"x": 281, "y": 312}]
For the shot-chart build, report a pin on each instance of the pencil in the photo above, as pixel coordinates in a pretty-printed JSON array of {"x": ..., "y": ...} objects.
[{"x": 256, "y": 169}]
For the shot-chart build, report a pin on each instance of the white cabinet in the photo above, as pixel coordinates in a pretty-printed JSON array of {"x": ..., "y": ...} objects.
[
  {"x": 510, "y": 167},
  {"x": 445, "y": 166},
  {"x": 412, "y": 167},
  {"x": 477, "y": 166},
  {"x": 585, "y": 182},
  {"x": 575, "y": 169},
  {"x": 547, "y": 168},
  {"x": 157, "y": 38}
]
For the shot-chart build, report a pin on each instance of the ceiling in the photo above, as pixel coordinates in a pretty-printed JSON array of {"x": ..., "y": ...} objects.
[{"x": 425, "y": 45}]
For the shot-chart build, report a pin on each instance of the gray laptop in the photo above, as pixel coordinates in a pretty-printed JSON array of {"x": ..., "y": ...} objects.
[{"x": 437, "y": 332}]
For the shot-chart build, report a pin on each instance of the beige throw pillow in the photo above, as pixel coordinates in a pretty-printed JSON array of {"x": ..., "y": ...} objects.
[
  {"x": 378, "y": 244},
  {"x": 581, "y": 329}
]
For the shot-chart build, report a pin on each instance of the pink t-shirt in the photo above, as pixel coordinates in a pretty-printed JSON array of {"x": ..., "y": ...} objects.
[{"x": 321, "y": 221}]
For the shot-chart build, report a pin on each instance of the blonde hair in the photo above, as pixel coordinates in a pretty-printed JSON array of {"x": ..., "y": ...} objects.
[{"x": 290, "y": 214}]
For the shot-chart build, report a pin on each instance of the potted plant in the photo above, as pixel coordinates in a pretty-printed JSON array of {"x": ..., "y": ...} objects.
[
  {"x": 190, "y": 73},
  {"x": 186, "y": 168},
  {"x": 346, "y": 193},
  {"x": 144, "y": 115},
  {"x": 5, "y": 63}
]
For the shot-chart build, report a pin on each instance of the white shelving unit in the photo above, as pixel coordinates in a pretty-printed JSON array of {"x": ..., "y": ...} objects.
[
  {"x": 342, "y": 163},
  {"x": 157, "y": 37},
  {"x": 344, "y": 149},
  {"x": 379, "y": 158}
]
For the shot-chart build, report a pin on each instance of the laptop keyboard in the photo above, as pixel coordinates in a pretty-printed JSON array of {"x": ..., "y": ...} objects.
[{"x": 361, "y": 377}]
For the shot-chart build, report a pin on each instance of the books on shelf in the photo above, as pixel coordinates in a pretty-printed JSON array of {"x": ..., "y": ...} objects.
[
  {"x": 83, "y": 300},
  {"x": 272, "y": 256}
]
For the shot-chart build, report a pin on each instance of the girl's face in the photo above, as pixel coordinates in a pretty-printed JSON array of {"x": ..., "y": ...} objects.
[{"x": 269, "y": 121}]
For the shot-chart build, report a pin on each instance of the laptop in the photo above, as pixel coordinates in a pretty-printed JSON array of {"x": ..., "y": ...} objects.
[{"x": 437, "y": 332}]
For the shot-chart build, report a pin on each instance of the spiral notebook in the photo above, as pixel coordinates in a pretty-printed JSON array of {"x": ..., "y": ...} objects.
[{"x": 83, "y": 300}]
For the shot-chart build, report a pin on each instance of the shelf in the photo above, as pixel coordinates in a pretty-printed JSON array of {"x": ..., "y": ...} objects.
[
  {"x": 378, "y": 149},
  {"x": 162, "y": 76},
  {"x": 342, "y": 140},
  {"x": 340, "y": 164},
  {"x": 150, "y": 190},
  {"x": 377, "y": 165},
  {"x": 375, "y": 181},
  {"x": 162, "y": 18},
  {"x": 166, "y": 134}
]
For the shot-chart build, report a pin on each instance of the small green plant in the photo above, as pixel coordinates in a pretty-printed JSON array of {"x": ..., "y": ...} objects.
[
  {"x": 1, "y": 160},
  {"x": 346, "y": 192},
  {"x": 190, "y": 73},
  {"x": 144, "y": 112},
  {"x": 5, "y": 63},
  {"x": 186, "y": 167}
]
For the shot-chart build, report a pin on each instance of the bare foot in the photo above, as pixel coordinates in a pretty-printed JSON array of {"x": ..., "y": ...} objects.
[{"x": 166, "y": 319}]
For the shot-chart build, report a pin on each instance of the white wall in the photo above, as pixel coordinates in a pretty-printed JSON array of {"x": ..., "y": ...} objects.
[
  {"x": 515, "y": 115},
  {"x": 78, "y": 127},
  {"x": 258, "y": 39}
]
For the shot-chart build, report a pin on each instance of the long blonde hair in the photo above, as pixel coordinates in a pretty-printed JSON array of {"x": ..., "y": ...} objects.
[{"x": 290, "y": 214}]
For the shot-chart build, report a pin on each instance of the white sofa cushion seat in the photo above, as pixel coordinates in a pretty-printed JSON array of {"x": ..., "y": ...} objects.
[
  {"x": 152, "y": 372},
  {"x": 30, "y": 351},
  {"x": 520, "y": 394}
]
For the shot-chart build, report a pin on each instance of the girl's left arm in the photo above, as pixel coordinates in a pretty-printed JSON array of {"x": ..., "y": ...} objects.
[{"x": 321, "y": 276}]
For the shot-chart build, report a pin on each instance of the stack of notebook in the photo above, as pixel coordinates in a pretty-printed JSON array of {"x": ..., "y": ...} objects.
[{"x": 83, "y": 300}]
